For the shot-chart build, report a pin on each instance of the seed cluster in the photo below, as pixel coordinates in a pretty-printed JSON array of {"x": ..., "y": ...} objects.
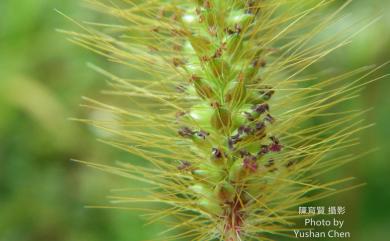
[
  {"x": 236, "y": 116},
  {"x": 233, "y": 133}
]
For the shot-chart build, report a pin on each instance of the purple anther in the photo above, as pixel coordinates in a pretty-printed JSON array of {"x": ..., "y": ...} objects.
[
  {"x": 275, "y": 146},
  {"x": 217, "y": 153},
  {"x": 261, "y": 108},
  {"x": 250, "y": 164}
]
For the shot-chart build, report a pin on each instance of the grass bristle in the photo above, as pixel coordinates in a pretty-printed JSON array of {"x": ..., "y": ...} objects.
[{"x": 234, "y": 132}]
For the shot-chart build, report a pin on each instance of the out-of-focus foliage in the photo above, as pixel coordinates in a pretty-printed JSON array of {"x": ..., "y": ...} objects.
[{"x": 42, "y": 193}]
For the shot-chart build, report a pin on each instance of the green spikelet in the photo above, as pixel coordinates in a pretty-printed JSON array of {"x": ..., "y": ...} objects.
[{"x": 218, "y": 104}]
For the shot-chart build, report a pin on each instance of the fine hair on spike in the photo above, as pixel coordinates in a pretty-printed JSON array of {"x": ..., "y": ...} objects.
[{"x": 216, "y": 99}]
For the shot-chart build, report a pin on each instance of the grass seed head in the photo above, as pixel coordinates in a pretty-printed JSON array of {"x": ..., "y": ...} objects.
[{"x": 220, "y": 108}]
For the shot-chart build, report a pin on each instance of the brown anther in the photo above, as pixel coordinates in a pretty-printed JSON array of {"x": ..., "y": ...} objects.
[
  {"x": 270, "y": 163},
  {"x": 174, "y": 17},
  {"x": 229, "y": 31},
  {"x": 266, "y": 92},
  {"x": 274, "y": 139},
  {"x": 244, "y": 153},
  {"x": 268, "y": 95},
  {"x": 201, "y": 19},
  {"x": 186, "y": 132},
  {"x": 207, "y": 4},
  {"x": 153, "y": 48},
  {"x": 251, "y": 6},
  {"x": 180, "y": 114},
  {"x": 272, "y": 50},
  {"x": 205, "y": 58},
  {"x": 194, "y": 78},
  {"x": 259, "y": 63},
  {"x": 218, "y": 53},
  {"x": 177, "y": 47},
  {"x": 202, "y": 134},
  {"x": 263, "y": 150},
  {"x": 198, "y": 10},
  {"x": 184, "y": 166},
  {"x": 215, "y": 104},
  {"x": 273, "y": 169},
  {"x": 290, "y": 163},
  {"x": 269, "y": 118},
  {"x": 178, "y": 62},
  {"x": 263, "y": 63}
]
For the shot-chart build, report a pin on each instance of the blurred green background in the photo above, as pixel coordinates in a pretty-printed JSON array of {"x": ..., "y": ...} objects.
[{"x": 42, "y": 77}]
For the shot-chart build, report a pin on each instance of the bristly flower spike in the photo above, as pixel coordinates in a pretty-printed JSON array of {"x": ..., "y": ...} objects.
[{"x": 219, "y": 106}]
